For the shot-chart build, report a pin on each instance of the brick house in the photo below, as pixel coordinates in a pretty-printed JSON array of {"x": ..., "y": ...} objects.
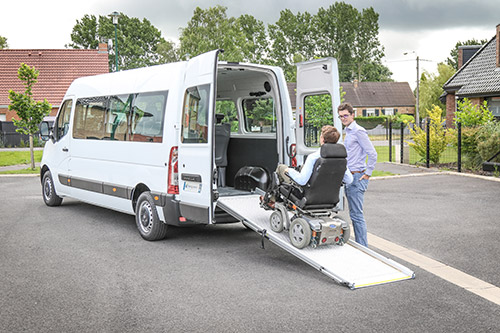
[
  {"x": 478, "y": 79},
  {"x": 373, "y": 98},
  {"x": 58, "y": 68}
]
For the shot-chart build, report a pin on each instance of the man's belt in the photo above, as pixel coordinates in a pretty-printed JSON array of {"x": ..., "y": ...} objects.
[{"x": 353, "y": 172}]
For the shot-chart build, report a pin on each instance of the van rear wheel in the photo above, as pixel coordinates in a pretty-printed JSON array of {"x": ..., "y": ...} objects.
[
  {"x": 150, "y": 226},
  {"x": 50, "y": 196}
]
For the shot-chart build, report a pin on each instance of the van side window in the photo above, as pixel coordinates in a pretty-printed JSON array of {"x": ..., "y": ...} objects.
[
  {"x": 62, "y": 125},
  {"x": 118, "y": 117},
  {"x": 147, "y": 117},
  {"x": 317, "y": 113},
  {"x": 90, "y": 118},
  {"x": 260, "y": 115},
  {"x": 195, "y": 115},
  {"x": 228, "y": 109},
  {"x": 131, "y": 117}
]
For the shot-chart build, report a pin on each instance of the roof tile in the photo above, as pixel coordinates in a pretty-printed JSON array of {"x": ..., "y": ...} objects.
[{"x": 58, "y": 68}]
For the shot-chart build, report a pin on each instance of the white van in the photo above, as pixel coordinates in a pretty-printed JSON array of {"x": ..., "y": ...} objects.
[{"x": 165, "y": 142}]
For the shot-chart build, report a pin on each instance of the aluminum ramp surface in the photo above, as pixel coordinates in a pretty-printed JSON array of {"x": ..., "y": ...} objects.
[{"x": 352, "y": 264}]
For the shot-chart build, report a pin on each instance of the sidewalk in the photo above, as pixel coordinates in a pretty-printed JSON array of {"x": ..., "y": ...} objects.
[
  {"x": 17, "y": 167},
  {"x": 402, "y": 169}
]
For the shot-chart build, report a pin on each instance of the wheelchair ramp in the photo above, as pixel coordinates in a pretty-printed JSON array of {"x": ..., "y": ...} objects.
[{"x": 352, "y": 264}]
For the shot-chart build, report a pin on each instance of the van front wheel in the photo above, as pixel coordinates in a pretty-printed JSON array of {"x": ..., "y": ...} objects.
[
  {"x": 146, "y": 217},
  {"x": 49, "y": 191}
]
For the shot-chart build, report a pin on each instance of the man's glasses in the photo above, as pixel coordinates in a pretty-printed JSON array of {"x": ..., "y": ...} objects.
[{"x": 344, "y": 116}]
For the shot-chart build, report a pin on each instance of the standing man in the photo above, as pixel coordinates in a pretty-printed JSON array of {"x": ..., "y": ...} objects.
[{"x": 358, "y": 147}]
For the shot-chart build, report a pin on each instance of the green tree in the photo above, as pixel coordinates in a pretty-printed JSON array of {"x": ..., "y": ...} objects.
[
  {"x": 292, "y": 40},
  {"x": 340, "y": 31},
  {"x": 431, "y": 87},
  {"x": 242, "y": 39},
  {"x": 453, "y": 59},
  {"x": 3, "y": 43},
  {"x": 29, "y": 111},
  {"x": 138, "y": 41},
  {"x": 439, "y": 137}
]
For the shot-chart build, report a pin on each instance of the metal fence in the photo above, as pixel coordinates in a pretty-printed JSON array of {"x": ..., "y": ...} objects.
[
  {"x": 406, "y": 148},
  {"x": 9, "y": 137}
]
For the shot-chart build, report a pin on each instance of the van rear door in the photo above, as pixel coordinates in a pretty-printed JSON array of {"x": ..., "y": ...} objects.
[
  {"x": 317, "y": 82},
  {"x": 196, "y": 165}
]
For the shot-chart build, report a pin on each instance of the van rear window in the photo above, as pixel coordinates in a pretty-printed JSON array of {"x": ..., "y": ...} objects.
[
  {"x": 130, "y": 117},
  {"x": 195, "y": 114}
]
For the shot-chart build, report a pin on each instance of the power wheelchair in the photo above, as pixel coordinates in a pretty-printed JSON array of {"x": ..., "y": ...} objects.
[{"x": 313, "y": 206}]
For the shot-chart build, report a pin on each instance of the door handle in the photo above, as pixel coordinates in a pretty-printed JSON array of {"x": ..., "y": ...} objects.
[{"x": 65, "y": 149}]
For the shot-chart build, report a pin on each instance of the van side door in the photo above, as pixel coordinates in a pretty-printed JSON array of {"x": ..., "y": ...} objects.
[
  {"x": 60, "y": 149},
  {"x": 196, "y": 161},
  {"x": 318, "y": 90}
]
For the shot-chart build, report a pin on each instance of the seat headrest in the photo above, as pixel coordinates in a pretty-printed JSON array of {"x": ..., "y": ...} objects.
[{"x": 333, "y": 150}]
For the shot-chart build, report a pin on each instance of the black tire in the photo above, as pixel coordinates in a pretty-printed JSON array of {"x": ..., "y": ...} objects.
[
  {"x": 49, "y": 194},
  {"x": 300, "y": 233},
  {"x": 276, "y": 221},
  {"x": 150, "y": 226}
]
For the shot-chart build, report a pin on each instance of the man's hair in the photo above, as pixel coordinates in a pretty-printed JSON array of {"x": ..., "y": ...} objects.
[
  {"x": 330, "y": 134},
  {"x": 346, "y": 107}
]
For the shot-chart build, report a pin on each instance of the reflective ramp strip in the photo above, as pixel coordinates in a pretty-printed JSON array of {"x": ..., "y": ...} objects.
[{"x": 352, "y": 264}]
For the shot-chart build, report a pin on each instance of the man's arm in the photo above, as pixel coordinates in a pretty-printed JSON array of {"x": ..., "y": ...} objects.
[{"x": 367, "y": 145}]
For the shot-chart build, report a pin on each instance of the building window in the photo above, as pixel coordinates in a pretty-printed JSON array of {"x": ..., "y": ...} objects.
[
  {"x": 494, "y": 107},
  {"x": 389, "y": 111}
]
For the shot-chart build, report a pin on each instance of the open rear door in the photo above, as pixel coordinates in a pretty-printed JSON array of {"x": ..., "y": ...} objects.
[
  {"x": 196, "y": 145},
  {"x": 317, "y": 81}
]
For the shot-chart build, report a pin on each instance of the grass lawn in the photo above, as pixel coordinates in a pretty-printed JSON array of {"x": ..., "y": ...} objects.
[
  {"x": 448, "y": 156},
  {"x": 18, "y": 157}
]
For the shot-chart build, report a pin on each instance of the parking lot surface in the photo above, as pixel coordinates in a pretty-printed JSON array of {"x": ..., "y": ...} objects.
[{"x": 81, "y": 268}]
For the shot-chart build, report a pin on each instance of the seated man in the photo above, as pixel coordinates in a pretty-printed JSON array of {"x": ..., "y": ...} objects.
[{"x": 329, "y": 134}]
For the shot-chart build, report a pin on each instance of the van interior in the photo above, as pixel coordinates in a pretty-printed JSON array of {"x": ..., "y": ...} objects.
[{"x": 248, "y": 114}]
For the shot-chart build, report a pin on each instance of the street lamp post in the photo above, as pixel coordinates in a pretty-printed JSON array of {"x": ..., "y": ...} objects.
[
  {"x": 114, "y": 16},
  {"x": 417, "y": 110}
]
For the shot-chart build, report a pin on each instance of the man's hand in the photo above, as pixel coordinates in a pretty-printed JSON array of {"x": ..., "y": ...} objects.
[{"x": 365, "y": 176}]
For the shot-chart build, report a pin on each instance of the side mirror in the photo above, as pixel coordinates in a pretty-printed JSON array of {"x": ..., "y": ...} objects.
[{"x": 45, "y": 130}]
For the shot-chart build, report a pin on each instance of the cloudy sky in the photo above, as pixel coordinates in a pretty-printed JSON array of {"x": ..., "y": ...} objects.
[{"x": 429, "y": 28}]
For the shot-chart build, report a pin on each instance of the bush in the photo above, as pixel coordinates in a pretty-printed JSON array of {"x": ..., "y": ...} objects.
[
  {"x": 370, "y": 122},
  {"x": 477, "y": 127},
  {"x": 470, "y": 115},
  {"x": 439, "y": 137},
  {"x": 399, "y": 119},
  {"x": 488, "y": 141}
]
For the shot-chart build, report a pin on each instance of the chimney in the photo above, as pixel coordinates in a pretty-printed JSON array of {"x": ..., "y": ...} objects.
[
  {"x": 355, "y": 83},
  {"x": 498, "y": 45},
  {"x": 460, "y": 61},
  {"x": 103, "y": 48},
  {"x": 465, "y": 52}
]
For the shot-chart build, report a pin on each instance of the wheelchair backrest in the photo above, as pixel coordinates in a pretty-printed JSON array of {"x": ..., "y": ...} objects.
[{"x": 322, "y": 190}]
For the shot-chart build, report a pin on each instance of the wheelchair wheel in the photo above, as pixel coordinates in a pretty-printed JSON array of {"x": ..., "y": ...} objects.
[
  {"x": 276, "y": 221},
  {"x": 300, "y": 233}
]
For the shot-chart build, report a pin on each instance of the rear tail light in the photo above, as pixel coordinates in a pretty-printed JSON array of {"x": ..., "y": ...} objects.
[{"x": 173, "y": 172}]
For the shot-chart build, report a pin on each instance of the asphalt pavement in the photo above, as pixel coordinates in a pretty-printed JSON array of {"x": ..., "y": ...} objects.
[{"x": 81, "y": 268}]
